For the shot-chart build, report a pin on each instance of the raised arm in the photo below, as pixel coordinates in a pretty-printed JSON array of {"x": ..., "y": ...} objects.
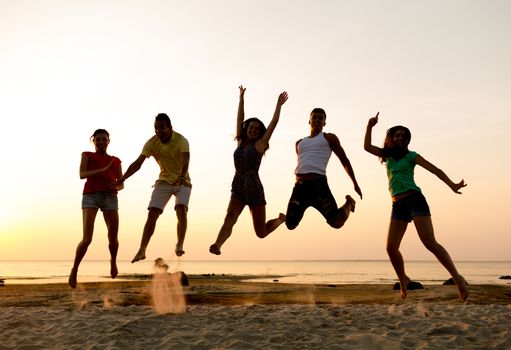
[
  {"x": 263, "y": 142},
  {"x": 335, "y": 145},
  {"x": 368, "y": 146},
  {"x": 440, "y": 174},
  {"x": 241, "y": 112}
]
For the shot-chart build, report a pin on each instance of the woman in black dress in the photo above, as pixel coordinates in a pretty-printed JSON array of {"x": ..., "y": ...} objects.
[{"x": 253, "y": 138}]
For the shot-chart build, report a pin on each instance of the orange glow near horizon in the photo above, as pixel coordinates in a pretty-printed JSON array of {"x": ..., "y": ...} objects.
[{"x": 70, "y": 68}]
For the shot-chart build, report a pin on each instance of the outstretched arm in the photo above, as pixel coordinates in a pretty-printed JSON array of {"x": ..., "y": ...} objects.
[
  {"x": 132, "y": 169},
  {"x": 262, "y": 143},
  {"x": 440, "y": 174},
  {"x": 241, "y": 112},
  {"x": 368, "y": 146},
  {"x": 335, "y": 145}
]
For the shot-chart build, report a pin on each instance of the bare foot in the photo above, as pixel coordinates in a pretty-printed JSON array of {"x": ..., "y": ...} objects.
[
  {"x": 403, "y": 284},
  {"x": 213, "y": 249},
  {"x": 140, "y": 256},
  {"x": 351, "y": 202},
  {"x": 282, "y": 217},
  {"x": 72, "y": 279},
  {"x": 113, "y": 269},
  {"x": 179, "y": 250},
  {"x": 463, "y": 289}
]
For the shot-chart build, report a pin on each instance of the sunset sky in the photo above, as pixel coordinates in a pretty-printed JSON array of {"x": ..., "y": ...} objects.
[{"x": 442, "y": 68}]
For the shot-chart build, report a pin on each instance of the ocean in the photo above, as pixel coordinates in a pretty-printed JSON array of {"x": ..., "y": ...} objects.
[{"x": 316, "y": 272}]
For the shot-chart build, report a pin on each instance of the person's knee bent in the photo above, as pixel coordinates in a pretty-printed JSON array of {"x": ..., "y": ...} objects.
[
  {"x": 337, "y": 222},
  {"x": 260, "y": 231},
  {"x": 291, "y": 224},
  {"x": 293, "y": 215}
]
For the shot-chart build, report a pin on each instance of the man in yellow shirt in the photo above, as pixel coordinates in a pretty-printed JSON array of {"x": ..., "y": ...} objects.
[{"x": 172, "y": 153}]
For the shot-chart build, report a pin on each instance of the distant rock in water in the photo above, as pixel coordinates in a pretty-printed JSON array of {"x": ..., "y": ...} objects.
[
  {"x": 184, "y": 279},
  {"x": 506, "y": 277},
  {"x": 412, "y": 285},
  {"x": 450, "y": 282}
]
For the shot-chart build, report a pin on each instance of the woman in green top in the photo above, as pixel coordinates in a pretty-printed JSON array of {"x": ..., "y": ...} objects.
[{"x": 408, "y": 203}]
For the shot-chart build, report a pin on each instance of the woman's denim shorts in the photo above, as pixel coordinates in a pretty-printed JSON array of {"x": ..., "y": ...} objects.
[{"x": 100, "y": 200}]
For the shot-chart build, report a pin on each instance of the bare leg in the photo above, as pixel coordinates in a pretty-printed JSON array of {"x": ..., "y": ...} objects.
[
  {"x": 182, "y": 223},
  {"x": 397, "y": 229},
  {"x": 233, "y": 212},
  {"x": 112, "y": 223},
  {"x": 88, "y": 217},
  {"x": 424, "y": 227},
  {"x": 149, "y": 227},
  {"x": 261, "y": 227},
  {"x": 344, "y": 211}
]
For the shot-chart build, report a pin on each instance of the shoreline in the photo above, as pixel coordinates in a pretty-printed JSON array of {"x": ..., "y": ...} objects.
[{"x": 235, "y": 290}]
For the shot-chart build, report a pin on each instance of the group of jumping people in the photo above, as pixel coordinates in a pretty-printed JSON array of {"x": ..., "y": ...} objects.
[{"x": 104, "y": 178}]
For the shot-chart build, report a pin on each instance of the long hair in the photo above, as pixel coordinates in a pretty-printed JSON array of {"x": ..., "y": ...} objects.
[
  {"x": 242, "y": 138},
  {"x": 391, "y": 150}
]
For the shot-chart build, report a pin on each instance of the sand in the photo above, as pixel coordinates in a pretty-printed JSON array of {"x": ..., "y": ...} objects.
[{"x": 223, "y": 312}]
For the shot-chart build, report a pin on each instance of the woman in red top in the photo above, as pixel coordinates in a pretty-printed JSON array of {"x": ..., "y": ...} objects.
[{"x": 101, "y": 171}]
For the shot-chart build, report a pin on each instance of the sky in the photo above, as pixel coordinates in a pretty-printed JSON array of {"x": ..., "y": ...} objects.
[{"x": 441, "y": 68}]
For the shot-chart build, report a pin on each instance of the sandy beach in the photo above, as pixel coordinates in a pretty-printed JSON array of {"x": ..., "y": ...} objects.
[{"x": 223, "y": 312}]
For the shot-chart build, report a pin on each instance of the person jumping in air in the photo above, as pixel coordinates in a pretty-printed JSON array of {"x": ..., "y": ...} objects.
[
  {"x": 253, "y": 139},
  {"x": 408, "y": 202},
  {"x": 311, "y": 187},
  {"x": 172, "y": 153},
  {"x": 100, "y": 192}
]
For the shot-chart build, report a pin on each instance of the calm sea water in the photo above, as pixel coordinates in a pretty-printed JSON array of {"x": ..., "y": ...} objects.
[{"x": 324, "y": 272}]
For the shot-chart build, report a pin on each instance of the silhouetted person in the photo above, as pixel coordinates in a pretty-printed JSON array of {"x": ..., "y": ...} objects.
[
  {"x": 408, "y": 202},
  {"x": 311, "y": 187},
  {"x": 247, "y": 189},
  {"x": 172, "y": 153},
  {"x": 100, "y": 192}
]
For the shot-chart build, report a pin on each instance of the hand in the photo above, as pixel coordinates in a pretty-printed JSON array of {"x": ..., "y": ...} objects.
[
  {"x": 358, "y": 190},
  {"x": 282, "y": 98},
  {"x": 456, "y": 187},
  {"x": 115, "y": 185},
  {"x": 119, "y": 183},
  {"x": 242, "y": 91},
  {"x": 373, "y": 121}
]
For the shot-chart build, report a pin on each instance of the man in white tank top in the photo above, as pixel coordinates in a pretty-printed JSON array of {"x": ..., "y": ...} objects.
[{"x": 311, "y": 188}]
